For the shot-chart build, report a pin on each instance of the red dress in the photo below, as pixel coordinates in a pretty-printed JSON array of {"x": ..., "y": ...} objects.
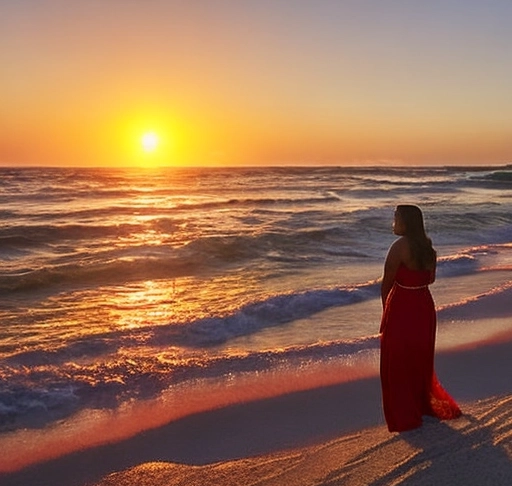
[{"x": 410, "y": 388}]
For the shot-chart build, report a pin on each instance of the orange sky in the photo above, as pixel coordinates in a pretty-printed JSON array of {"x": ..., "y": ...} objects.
[{"x": 225, "y": 82}]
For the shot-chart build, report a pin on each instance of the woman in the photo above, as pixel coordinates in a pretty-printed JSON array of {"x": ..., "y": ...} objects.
[{"x": 409, "y": 386}]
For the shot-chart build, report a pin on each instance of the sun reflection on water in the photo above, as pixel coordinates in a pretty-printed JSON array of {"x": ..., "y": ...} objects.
[{"x": 151, "y": 302}]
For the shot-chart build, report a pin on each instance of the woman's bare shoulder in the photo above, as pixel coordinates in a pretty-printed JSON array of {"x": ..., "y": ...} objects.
[
  {"x": 400, "y": 252},
  {"x": 401, "y": 245}
]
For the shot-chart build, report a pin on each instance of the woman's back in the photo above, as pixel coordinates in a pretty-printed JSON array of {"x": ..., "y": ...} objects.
[{"x": 406, "y": 276}]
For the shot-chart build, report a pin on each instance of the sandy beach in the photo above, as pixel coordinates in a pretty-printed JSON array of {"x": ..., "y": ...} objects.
[{"x": 334, "y": 435}]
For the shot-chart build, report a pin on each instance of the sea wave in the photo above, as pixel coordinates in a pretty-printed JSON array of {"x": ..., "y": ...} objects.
[
  {"x": 276, "y": 310},
  {"x": 503, "y": 176},
  {"x": 154, "y": 252},
  {"x": 491, "y": 304},
  {"x": 40, "y": 394},
  {"x": 250, "y": 318},
  {"x": 163, "y": 260},
  {"x": 473, "y": 259},
  {"x": 119, "y": 270}
]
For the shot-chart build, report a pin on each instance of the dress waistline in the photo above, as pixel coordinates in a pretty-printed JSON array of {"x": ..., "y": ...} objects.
[{"x": 411, "y": 288}]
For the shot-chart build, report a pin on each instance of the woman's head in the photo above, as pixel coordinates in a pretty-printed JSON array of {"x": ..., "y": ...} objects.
[{"x": 409, "y": 221}]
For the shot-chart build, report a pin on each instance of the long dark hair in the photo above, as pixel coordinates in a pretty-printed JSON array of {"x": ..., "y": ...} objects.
[{"x": 422, "y": 252}]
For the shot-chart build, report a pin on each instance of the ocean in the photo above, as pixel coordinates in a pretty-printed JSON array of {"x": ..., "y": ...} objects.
[{"x": 133, "y": 297}]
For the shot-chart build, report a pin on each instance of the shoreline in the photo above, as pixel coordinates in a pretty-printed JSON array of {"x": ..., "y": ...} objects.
[{"x": 325, "y": 428}]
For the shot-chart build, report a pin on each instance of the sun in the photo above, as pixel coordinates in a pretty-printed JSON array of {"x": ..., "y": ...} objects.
[{"x": 149, "y": 142}]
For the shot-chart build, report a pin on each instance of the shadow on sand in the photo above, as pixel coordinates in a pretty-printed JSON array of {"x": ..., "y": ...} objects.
[
  {"x": 457, "y": 456},
  {"x": 470, "y": 451}
]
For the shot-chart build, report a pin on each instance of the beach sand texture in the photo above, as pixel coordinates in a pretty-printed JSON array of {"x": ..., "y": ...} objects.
[
  {"x": 333, "y": 435},
  {"x": 476, "y": 449}
]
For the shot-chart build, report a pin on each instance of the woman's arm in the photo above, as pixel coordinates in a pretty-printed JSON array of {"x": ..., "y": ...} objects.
[
  {"x": 393, "y": 260},
  {"x": 433, "y": 274}
]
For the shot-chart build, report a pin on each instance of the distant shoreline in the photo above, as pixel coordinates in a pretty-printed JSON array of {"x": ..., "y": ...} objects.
[{"x": 464, "y": 167}]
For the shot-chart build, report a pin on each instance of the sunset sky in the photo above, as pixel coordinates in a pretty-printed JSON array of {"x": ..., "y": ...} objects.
[{"x": 255, "y": 82}]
